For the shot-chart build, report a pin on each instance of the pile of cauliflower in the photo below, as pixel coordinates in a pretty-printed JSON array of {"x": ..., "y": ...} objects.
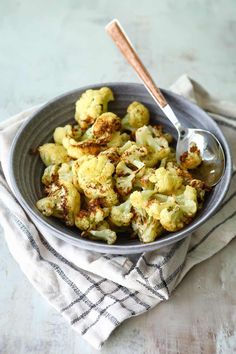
[{"x": 107, "y": 174}]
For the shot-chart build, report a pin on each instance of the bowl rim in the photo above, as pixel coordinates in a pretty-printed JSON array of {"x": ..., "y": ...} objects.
[{"x": 118, "y": 249}]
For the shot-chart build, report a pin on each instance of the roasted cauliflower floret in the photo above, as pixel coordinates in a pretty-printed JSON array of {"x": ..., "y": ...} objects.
[
  {"x": 181, "y": 211},
  {"x": 88, "y": 134},
  {"x": 91, "y": 105},
  {"x": 65, "y": 172},
  {"x": 102, "y": 233},
  {"x": 50, "y": 174},
  {"x": 166, "y": 181},
  {"x": 129, "y": 166},
  {"x": 105, "y": 126},
  {"x": 125, "y": 176},
  {"x": 201, "y": 189},
  {"x": 124, "y": 184},
  {"x": 139, "y": 200},
  {"x": 188, "y": 201},
  {"x": 94, "y": 173},
  {"x": 188, "y": 179},
  {"x": 146, "y": 227},
  {"x": 173, "y": 218},
  {"x": 155, "y": 205},
  {"x": 78, "y": 149},
  {"x": 110, "y": 199},
  {"x": 125, "y": 146},
  {"x": 112, "y": 154},
  {"x": 121, "y": 215},
  {"x": 191, "y": 159},
  {"x": 75, "y": 167},
  {"x": 142, "y": 178},
  {"x": 90, "y": 218},
  {"x": 158, "y": 148},
  {"x": 134, "y": 153},
  {"x": 63, "y": 202},
  {"x": 68, "y": 130},
  {"x": 170, "y": 160},
  {"x": 118, "y": 139},
  {"x": 173, "y": 212},
  {"x": 137, "y": 116},
  {"x": 95, "y": 179},
  {"x": 53, "y": 154},
  {"x": 157, "y": 131},
  {"x": 149, "y": 201}
]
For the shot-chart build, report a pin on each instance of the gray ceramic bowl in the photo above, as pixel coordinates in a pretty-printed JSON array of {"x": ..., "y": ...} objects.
[{"x": 27, "y": 169}]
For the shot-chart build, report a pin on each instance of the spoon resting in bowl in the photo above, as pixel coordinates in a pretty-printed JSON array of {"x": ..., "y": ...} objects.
[{"x": 212, "y": 166}]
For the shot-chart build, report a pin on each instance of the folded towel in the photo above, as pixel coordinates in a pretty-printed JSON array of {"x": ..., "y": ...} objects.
[{"x": 96, "y": 292}]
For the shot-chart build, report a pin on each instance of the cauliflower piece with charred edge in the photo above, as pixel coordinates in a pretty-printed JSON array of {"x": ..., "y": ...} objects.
[
  {"x": 112, "y": 154},
  {"x": 65, "y": 172},
  {"x": 105, "y": 125},
  {"x": 139, "y": 200},
  {"x": 137, "y": 116},
  {"x": 142, "y": 178},
  {"x": 146, "y": 227},
  {"x": 78, "y": 149},
  {"x": 173, "y": 212},
  {"x": 151, "y": 202},
  {"x": 50, "y": 174},
  {"x": 91, "y": 105},
  {"x": 129, "y": 165},
  {"x": 95, "y": 179},
  {"x": 88, "y": 134},
  {"x": 121, "y": 215},
  {"x": 53, "y": 154},
  {"x": 90, "y": 218},
  {"x": 125, "y": 176},
  {"x": 181, "y": 212},
  {"x": 191, "y": 159},
  {"x": 118, "y": 139},
  {"x": 166, "y": 181},
  {"x": 173, "y": 218},
  {"x": 68, "y": 130},
  {"x": 157, "y": 131},
  {"x": 102, "y": 233},
  {"x": 63, "y": 202},
  {"x": 134, "y": 153},
  {"x": 158, "y": 148}
]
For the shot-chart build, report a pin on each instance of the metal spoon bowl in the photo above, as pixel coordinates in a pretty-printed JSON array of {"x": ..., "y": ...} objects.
[{"x": 213, "y": 160}]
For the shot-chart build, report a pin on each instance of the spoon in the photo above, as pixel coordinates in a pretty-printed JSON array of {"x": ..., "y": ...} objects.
[{"x": 212, "y": 167}]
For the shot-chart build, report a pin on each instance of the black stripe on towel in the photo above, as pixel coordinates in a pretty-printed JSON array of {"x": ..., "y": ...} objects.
[
  {"x": 157, "y": 266},
  {"x": 62, "y": 275},
  {"x": 86, "y": 276},
  {"x": 99, "y": 316},
  {"x": 166, "y": 258},
  {"x": 212, "y": 230}
]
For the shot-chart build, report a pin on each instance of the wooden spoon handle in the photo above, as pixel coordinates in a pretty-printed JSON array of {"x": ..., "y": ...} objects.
[{"x": 118, "y": 35}]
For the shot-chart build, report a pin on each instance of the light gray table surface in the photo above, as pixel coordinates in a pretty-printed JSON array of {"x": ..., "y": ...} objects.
[{"x": 49, "y": 47}]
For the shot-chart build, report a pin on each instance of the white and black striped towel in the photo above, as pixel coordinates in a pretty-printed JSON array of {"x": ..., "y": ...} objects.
[{"x": 96, "y": 292}]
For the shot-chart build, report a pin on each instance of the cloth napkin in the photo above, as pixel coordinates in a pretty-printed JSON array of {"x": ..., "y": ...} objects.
[{"x": 96, "y": 292}]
